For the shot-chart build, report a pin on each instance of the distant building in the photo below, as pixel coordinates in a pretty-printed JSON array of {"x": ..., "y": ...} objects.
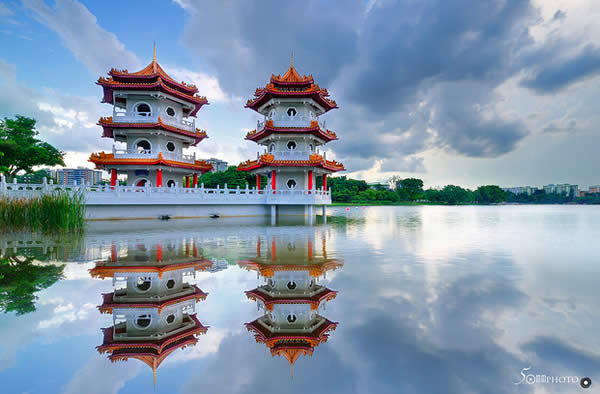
[
  {"x": 594, "y": 189},
  {"x": 218, "y": 265},
  {"x": 76, "y": 176},
  {"x": 565, "y": 188},
  {"x": 218, "y": 165},
  {"x": 379, "y": 186},
  {"x": 529, "y": 190}
]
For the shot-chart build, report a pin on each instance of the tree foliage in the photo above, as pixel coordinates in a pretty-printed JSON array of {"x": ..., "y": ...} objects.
[
  {"x": 20, "y": 150},
  {"x": 230, "y": 177},
  {"x": 412, "y": 188},
  {"x": 489, "y": 194},
  {"x": 20, "y": 279}
]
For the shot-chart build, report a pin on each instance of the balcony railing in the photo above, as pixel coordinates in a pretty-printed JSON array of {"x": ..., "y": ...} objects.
[
  {"x": 152, "y": 117},
  {"x": 289, "y": 121},
  {"x": 149, "y": 154}
]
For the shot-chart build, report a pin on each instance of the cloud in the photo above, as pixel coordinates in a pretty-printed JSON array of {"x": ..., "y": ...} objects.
[
  {"x": 553, "y": 77},
  {"x": 559, "y": 15},
  {"x": 66, "y": 121},
  {"x": 92, "y": 377},
  {"x": 98, "y": 49},
  {"x": 207, "y": 85}
]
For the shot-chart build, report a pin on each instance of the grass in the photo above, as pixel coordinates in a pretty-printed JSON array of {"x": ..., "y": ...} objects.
[
  {"x": 50, "y": 212},
  {"x": 378, "y": 203}
]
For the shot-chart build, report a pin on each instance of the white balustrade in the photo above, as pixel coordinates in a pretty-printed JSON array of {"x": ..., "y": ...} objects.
[
  {"x": 126, "y": 195},
  {"x": 292, "y": 154},
  {"x": 152, "y": 117},
  {"x": 136, "y": 153}
]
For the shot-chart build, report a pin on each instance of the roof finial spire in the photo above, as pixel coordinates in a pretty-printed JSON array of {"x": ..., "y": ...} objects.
[
  {"x": 154, "y": 58},
  {"x": 292, "y": 58}
]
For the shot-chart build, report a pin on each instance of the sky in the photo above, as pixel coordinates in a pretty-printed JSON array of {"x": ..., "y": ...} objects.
[{"x": 463, "y": 92}]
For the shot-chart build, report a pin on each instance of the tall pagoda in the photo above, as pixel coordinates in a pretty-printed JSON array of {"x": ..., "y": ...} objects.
[
  {"x": 154, "y": 115},
  {"x": 291, "y": 132},
  {"x": 152, "y": 303},
  {"x": 291, "y": 298}
]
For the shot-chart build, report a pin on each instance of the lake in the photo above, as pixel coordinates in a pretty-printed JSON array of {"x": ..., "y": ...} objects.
[{"x": 429, "y": 299}]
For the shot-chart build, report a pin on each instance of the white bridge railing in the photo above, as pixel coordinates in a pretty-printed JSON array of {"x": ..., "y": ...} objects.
[{"x": 151, "y": 195}]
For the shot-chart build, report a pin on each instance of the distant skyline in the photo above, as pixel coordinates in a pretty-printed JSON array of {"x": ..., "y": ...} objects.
[{"x": 463, "y": 92}]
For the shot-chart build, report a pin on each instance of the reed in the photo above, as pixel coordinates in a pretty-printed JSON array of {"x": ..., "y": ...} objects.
[{"x": 54, "y": 211}]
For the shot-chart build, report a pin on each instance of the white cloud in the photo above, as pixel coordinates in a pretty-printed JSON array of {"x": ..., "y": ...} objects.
[
  {"x": 96, "y": 48},
  {"x": 207, "y": 85},
  {"x": 91, "y": 378}
]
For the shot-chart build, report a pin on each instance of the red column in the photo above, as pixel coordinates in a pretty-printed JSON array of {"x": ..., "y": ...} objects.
[
  {"x": 113, "y": 177},
  {"x": 187, "y": 182},
  {"x": 310, "y": 250},
  {"x": 258, "y": 181},
  {"x": 273, "y": 181},
  {"x": 258, "y": 247},
  {"x": 113, "y": 252},
  {"x": 159, "y": 252},
  {"x": 159, "y": 178},
  {"x": 273, "y": 249},
  {"x": 310, "y": 181},
  {"x": 324, "y": 182},
  {"x": 195, "y": 180}
]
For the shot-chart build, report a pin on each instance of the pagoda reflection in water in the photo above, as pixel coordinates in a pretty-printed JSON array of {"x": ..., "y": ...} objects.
[
  {"x": 152, "y": 304},
  {"x": 291, "y": 298}
]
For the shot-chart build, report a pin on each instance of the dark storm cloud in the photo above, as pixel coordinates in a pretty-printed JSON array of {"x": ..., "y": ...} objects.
[
  {"x": 387, "y": 61},
  {"x": 560, "y": 74}
]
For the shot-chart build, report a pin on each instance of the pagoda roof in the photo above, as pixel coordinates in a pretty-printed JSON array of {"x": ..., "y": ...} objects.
[
  {"x": 278, "y": 338},
  {"x": 291, "y": 84},
  {"x": 109, "y": 303},
  {"x": 151, "y": 77},
  {"x": 291, "y": 78},
  {"x": 108, "y": 125},
  {"x": 313, "y": 129},
  {"x": 314, "y": 300},
  {"x": 108, "y": 269},
  {"x": 103, "y": 159},
  {"x": 152, "y": 353},
  {"x": 315, "y": 160},
  {"x": 267, "y": 269}
]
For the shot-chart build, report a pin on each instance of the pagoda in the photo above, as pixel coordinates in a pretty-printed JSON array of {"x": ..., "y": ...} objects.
[
  {"x": 291, "y": 132},
  {"x": 154, "y": 115},
  {"x": 291, "y": 298},
  {"x": 152, "y": 304}
]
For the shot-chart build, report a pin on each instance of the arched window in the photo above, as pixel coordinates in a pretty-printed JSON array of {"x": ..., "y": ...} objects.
[
  {"x": 171, "y": 183},
  {"x": 291, "y": 112},
  {"x": 143, "y": 321},
  {"x": 170, "y": 111},
  {"x": 170, "y": 318},
  {"x": 291, "y": 285},
  {"x": 143, "y": 146},
  {"x": 170, "y": 284},
  {"x": 143, "y": 284},
  {"x": 143, "y": 109},
  {"x": 272, "y": 114},
  {"x": 170, "y": 146},
  {"x": 291, "y": 145},
  {"x": 291, "y": 183},
  {"x": 291, "y": 318},
  {"x": 311, "y": 147},
  {"x": 272, "y": 148}
]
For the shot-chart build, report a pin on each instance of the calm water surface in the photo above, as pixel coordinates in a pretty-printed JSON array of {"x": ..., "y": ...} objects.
[{"x": 376, "y": 300}]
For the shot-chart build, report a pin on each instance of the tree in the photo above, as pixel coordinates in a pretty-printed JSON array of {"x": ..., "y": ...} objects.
[
  {"x": 489, "y": 194},
  {"x": 231, "y": 176},
  {"x": 453, "y": 195},
  {"x": 412, "y": 187},
  {"x": 21, "y": 150},
  {"x": 20, "y": 279}
]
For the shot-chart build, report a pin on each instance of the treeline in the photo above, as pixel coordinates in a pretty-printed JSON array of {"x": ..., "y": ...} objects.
[
  {"x": 541, "y": 197},
  {"x": 411, "y": 190}
]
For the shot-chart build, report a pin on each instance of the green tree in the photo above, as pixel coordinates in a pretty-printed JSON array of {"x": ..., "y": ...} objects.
[
  {"x": 230, "y": 177},
  {"x": 489, "y": 194},
  {"x": 452, "y": 194},
  {"x": 412, "y": 188},
  {"x": 21, "y": 150},
  {"x": 20, "y": 279}
]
